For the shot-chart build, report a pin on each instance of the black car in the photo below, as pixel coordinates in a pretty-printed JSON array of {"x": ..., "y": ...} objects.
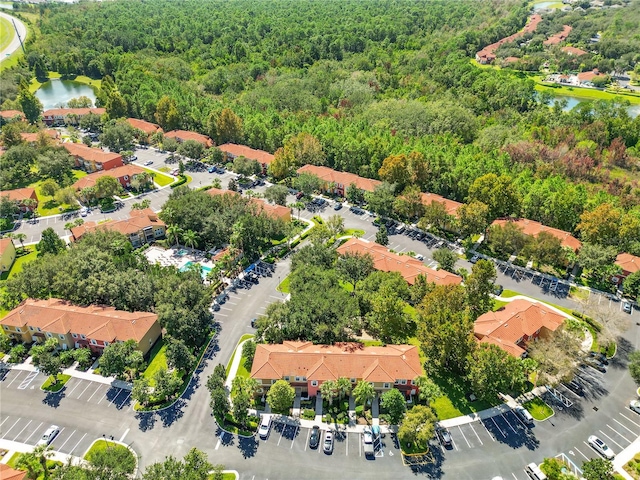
[
  {"x": 497, "y": 290},
  {"x": 575, "y": 387},
  {"x": 314, "y": 437},
  {"x": 602, "y": 358},
  {"x": 592, "y": 362},
  {"x": 253, "y": 322},
  {"x": 337, "y": 206}
]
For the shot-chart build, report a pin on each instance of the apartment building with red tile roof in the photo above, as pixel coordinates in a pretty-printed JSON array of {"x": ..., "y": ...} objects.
[
  {"x": 22, "y": 196},
  {"x": 12, "y": 115},
  {"x": 559, "y": 37},
  {"x": 73, "y": 326},
  {"x": 407, "y": 266},
  {"x": 275, "y": 211},
  {"x": 515, "y": 324},
  {"x": 576, "y": 52},
  {"x": 8, "y": 473},
  {"x": 68, "y": 116},
  {"x": 487, "y": 54},
  {"x": 450, "y": 206},
  {"x": 306, "y": 366},
  {"x": 232, "y": 151},
  {"x": 123, "y": 174},
  {"x": 33, "y": 137},
  {"x": 628, "y": 263},
  {"x": 339, "y": 181},
  {"x": 142, "y": 227},
  {"x": 93, "y": 159},
  {"x": 532, "y": 228},
  {"x": 587, "y": 77},
  {"x": 183, "y": 135},
  {"x": 144, "y": 126},
  {"x": 7, "y": 254}
]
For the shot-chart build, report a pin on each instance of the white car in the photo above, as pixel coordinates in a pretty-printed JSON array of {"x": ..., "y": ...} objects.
[
  {"x": 265, "y": 424},
  {"x": 635, "y": 405},
  {"x": 601, "y": 447},
  {"x": 49, "y": 435},
  {"x": 420, "y": 257}
]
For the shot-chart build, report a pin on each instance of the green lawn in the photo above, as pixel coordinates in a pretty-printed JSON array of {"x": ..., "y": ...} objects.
[
  {"x": 160, "y": 179},
  {"x": 372, "y": 343},
  {"x": 578, "y": 293},
  {"x": 511, "y": 293},
  {"x": 284, "y": 285},
  {"x": 244, "y": 337},
  {"x": 583, "y": 93},
  {"x": 29, "y": 255},
  {"x": 225, "y": 476},
  {"x": 157, "y": 360},
  {"x": 455, "y": 403},
  {"x": 47, "y": 205},
  {"x": 123, "y": 453},
  {"x": 50, "y": 387},
  {"x": 538, "y": 409},
  {"x": 353, "y": 232},
  {"x": 6, "y": 33},
  {"x": 498, "y": 304}
]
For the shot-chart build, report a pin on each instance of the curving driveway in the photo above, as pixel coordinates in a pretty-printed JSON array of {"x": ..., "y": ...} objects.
[{"x": 15, "y": 43}]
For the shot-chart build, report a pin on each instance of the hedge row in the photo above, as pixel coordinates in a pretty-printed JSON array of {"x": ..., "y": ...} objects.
[
  {"x": 182, "y": 181},
  {"x": 592, "y": 323}
]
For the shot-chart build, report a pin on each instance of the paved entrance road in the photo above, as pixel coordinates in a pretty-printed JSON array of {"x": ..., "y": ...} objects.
[{"x": 15, "y": 42}]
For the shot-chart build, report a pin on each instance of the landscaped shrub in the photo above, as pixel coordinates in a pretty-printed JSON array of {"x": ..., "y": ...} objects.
[
  {"x": 17, "y": 354},
  {"x": 308, "y": 414},
  {"x": 182, "y": 181},
  {"x": 67, "y": 357}
]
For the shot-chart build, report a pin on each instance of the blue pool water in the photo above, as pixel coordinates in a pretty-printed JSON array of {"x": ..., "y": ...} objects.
[{"x": 204, "y": 270}]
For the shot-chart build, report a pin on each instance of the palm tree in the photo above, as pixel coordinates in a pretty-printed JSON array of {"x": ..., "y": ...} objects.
[
  {"x": 190, "y": 238},
  {"x": 328, "y": 389},
  {"x": 174, "y": 231},
  {"x": 21, "y": 237},
  {"x": 343, "y": 385},
  {"x": 364, "y": 393},
  {"x": 35, "y": 462},
  {"x": 298, "y": 206},
  {"x": 427, "y": 389}
]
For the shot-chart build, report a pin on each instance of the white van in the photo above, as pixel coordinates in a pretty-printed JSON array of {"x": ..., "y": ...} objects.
[
  {"x": 534, "y": 472},
  {"x": 265, "y": 424},
  {"x": 524, "y": 415}
]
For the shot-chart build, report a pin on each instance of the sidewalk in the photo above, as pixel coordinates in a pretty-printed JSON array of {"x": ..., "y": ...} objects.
[
  {"x": 624, "y": 456},
  {"x": 17, "y": 447}
]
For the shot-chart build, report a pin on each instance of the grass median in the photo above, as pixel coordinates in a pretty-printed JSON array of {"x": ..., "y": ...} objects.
[
  {"x": 56, "y": 384},
  {"x": 538, "y": 409}
]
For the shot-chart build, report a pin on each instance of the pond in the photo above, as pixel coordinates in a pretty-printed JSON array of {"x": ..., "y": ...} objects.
[
  {"x": 543, "y": 5},
  {"x": 7, "y": 6},
  {"x": 634, "y": 110},
  {"x": 56, "y": 93}
]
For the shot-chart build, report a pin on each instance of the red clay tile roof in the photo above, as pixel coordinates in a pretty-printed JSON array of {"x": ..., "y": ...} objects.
[
  {"x": 8, "y": 473},
  {"x": 96, "y": 155},
  {"x": 95, "y": 322},
  {"x": 407, "y": 266},
  {"x": 516, "y": 320},
  {"x": 450, "y": 206},
  {"x": 147, "y": 127},
  {"x": 573, "y": 51},
  {"x": 330, "y": 362},
  {"x": 242, "y": 150},
  {"x": 184, "y": 135},
  {"x": 138, "y": 220},
  {"x": 488, "y": 51},
  {"x": 277, "y": 211},
  {"x": 63, "y": 112},
  {"x": 532, "y": 228},
  {"x": 559, "y": 37},
  {"x": 345, "y": 179},
  {"x": 4, "y": 244},
  {"x": 20, "y": 194},
  {"x": 118, "y": 172},
  {"x": 628, "y": 263},
  {"x": 33, "y": 137},
  {"x": 10, "y": 114},
  {"x": 589, "y": 76}
]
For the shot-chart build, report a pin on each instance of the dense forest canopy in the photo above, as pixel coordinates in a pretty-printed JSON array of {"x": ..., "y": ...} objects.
[{"x": 368, "y": 80}]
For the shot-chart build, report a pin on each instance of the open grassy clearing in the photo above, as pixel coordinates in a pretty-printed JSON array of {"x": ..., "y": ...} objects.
[
  {"x": 6, "y": 33},
  {"x": 157, "y": 361},
  {"x": 159, "y": 178},
  {"x": 538, "y": 409},
  {"x": 47, "y": 205}
]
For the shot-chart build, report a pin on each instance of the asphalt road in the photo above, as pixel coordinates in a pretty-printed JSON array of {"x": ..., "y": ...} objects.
[{"x": 15, "y": 42}]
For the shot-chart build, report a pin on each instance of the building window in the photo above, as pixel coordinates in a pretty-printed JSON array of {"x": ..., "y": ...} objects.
[
  {"x": 314, "y": 383},
  {"x": 18, "y": 330},
  {"x": 396, "y": 382},
  {"x": 273, "y": 381},
  {"x": 403, "y": 382},
  {"x": 386, "y": 385},
  {"x": 106, "y": 344},
  {"x": 83, "y": 337},
  {"x": 49, "y": 335},
  {"x": 74, "y": 335},
  {"x": 353, "y": 380},
  {"x": 31, "y": 328},
  {"x": 286, "y": 378},
  {"x": 413, "y": 382},
  {"x": 39, "y": 329},
  {"x": 93, "y": 342},
  {"x": 297, "y": 379},
  {"x": 304, "y": 379},
  {"x": 6, "y": 328},
  {"x": 61, "y": 336}
]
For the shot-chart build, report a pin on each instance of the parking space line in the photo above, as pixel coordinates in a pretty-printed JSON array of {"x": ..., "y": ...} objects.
[
  {"x": 125, "y": 400},
  {"x": 34, "y": 431},
  {"x": 96, "y": 391},
  {"x": 225, "y": 308},
  {"x": 281, "y": 434},
  {"x": 14, "y": 378},
  {"x": 454, "y": 444},
  {"x": 465, "y": 438},
  {"x": 113, "y": 400},
  {"x": 65, "y": 442},
  {"x": 76, "y": 446},
  {"x": 629, "y": 419},
  {"x": 85, "y": 389},
  {"x": 514, "y": 476},
  {"x": 477, "y": 436},
  {"x": 629, "y": 430},
  {"x": 103, "y": 397},
  {"x": 499, "y": 429},
  {"x": 76, "y": 386},
  {"x": 307, "y": 442},
  {"x": 508, "y": 423},
  {"x": 618, "y": 433},
  {"x": 621, "y": 447},
  {"x": 585, "y": 457},
  {"x": 293, "y": 440},
  {"x": 4, "y": 421},
  {"x": 14, "y": 438},
  {"x": 488, "y": 432},
  {"x": 7, "y": 432},
  {"x": 347, "y": 440}
]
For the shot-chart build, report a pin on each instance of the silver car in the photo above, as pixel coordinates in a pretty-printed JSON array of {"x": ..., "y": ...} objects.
[
  {"x": 49, "y": 435},
  {"x": 327, "y": 446},
  {"x": 635, "y": 405}
]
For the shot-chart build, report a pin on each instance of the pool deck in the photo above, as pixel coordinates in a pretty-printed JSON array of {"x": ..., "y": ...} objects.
[{"x": 178, "y": 257}]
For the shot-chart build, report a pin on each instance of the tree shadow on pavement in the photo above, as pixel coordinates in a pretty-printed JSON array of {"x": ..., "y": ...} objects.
[
  {"x": 248, "y": 446},
  {"x": 504, "y": 433},
  {"x": 172, "y": 414},
  {"x": 52, "y": 399},
  {"x": 146, "y": 420},
  {"x": 432, "y": 466},
  {"x": 624, "y": 349},
  {"x": 226, "y": 438}
]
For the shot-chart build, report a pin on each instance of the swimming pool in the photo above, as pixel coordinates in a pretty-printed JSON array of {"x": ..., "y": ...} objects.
[
  {"x": 182, "y": 252},
  {"x": 204, "y": 271}
]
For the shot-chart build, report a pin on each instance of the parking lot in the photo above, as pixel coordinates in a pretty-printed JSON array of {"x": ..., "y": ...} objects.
[
  {"x": 69, "y": 441},
  {"x": 76, "y": 389}
]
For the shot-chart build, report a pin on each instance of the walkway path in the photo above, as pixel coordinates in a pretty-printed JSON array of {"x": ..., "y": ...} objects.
[{"x": 15, "y": 42}]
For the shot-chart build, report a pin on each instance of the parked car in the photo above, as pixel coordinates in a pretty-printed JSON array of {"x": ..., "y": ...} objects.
[
  {"x": 497, "y": 290},
  {"x": 265, "y": 425},
  {"x": 420, "y": 257},
  {"x": 314, "y": 437},
  {"x": 524, "y": 415},
  {"x": 84, "y": 211},
  {"x": 299, "y": 195},
  {"x": 212, "y": 170},
  {"x": 601, "y": 357},
  {"x": 337, "y": 206},
  {"x": 575, "y": 387},
  {"x": 327, "y": 446},
  {"x": 367, "y": 442},
  {"x": 148, "y": 162},
  {"x": 49, "y": 435},
  {"x": 445, "y": 436},
  {"x": 635, "y": 405},
  {"x": 593, "y": 363},
  {"x": 253, "y": 322},
  {"x": 534, "y": 472},
  {"x": 601, "y": 447},
  {"x": 474, "y": 259},
  {"x": 626, "y": 307}
]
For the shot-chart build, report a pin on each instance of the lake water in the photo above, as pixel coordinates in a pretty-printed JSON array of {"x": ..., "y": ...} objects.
[
  {"x": 634, "y": 110},
  {"x": 7, "y": 6},
  {"x": 56, "y": 93},
  {"x": 543, "y": 5}
]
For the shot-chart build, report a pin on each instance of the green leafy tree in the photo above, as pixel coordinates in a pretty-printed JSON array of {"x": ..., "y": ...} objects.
[
  {"x": 631, "y": 286},
  {"x": 107, "y": 187},
  {"x": 29, "y": 103},
  {"x": 277, "y": 194},
  {"x": 381, "y": 200},
  {"x": 354, "y": 267},
  {"x": 492, "y": 371},
  {"x": 355, "y": 195},
  {"x": 634, "y": 366},
  {"x": 246, "y": 166},
  {"x": 248, "y": 352},
  {"x": 280, "y": 396},
  {"x": 121, "y": 358},
  {"x": 386, "y": 318},
  {"x": 343, "y": 387},
  {"x": 50, "y": 243},
  {"x": 382, "y": 237},
  {"x": 194, "y": 466},
  {"x": 363, "y": 393},
  {"x": 141, "y": 390},
  {"x": 191, "y": 149},
  {"x": 472, "y": 218},
  {"x": 8, "y": 208},
  {"x": 56, "y": 164},
  {"x": 601, "y": 225},
  {"x": 446, "y": 258},
  {"x": 479, "y": 287},
  {"x": 220, "y": 403},
  {"x": 35, "y": 462},
  {"x": 428, "y": 391},
  {"x": 597, "y": 469},
  {"x": 598, "y": 261},
  {"x": 167, "y": 114},
  {"x": 435, "y": 215},
  {"x": 179, "y": 356},
  {"x": 50, "y": 365},
  {"x": 329, "y": 390},
  {"x": 229, "y": 127},
  {"x": 112, "y": 462},
  {"x": 507, "y": 238},
  {"x": 49, "y": 187},
  {"x": 394, "y": 402},
  {"x": 166, "y": 384},
  {"x": 11, "y": 135},
  {"x": 418, "y": 426},
  {"x": 307, "y": 183},
  {"x": 498, "y": 193},
  {"x": 118, "y": 136}
]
